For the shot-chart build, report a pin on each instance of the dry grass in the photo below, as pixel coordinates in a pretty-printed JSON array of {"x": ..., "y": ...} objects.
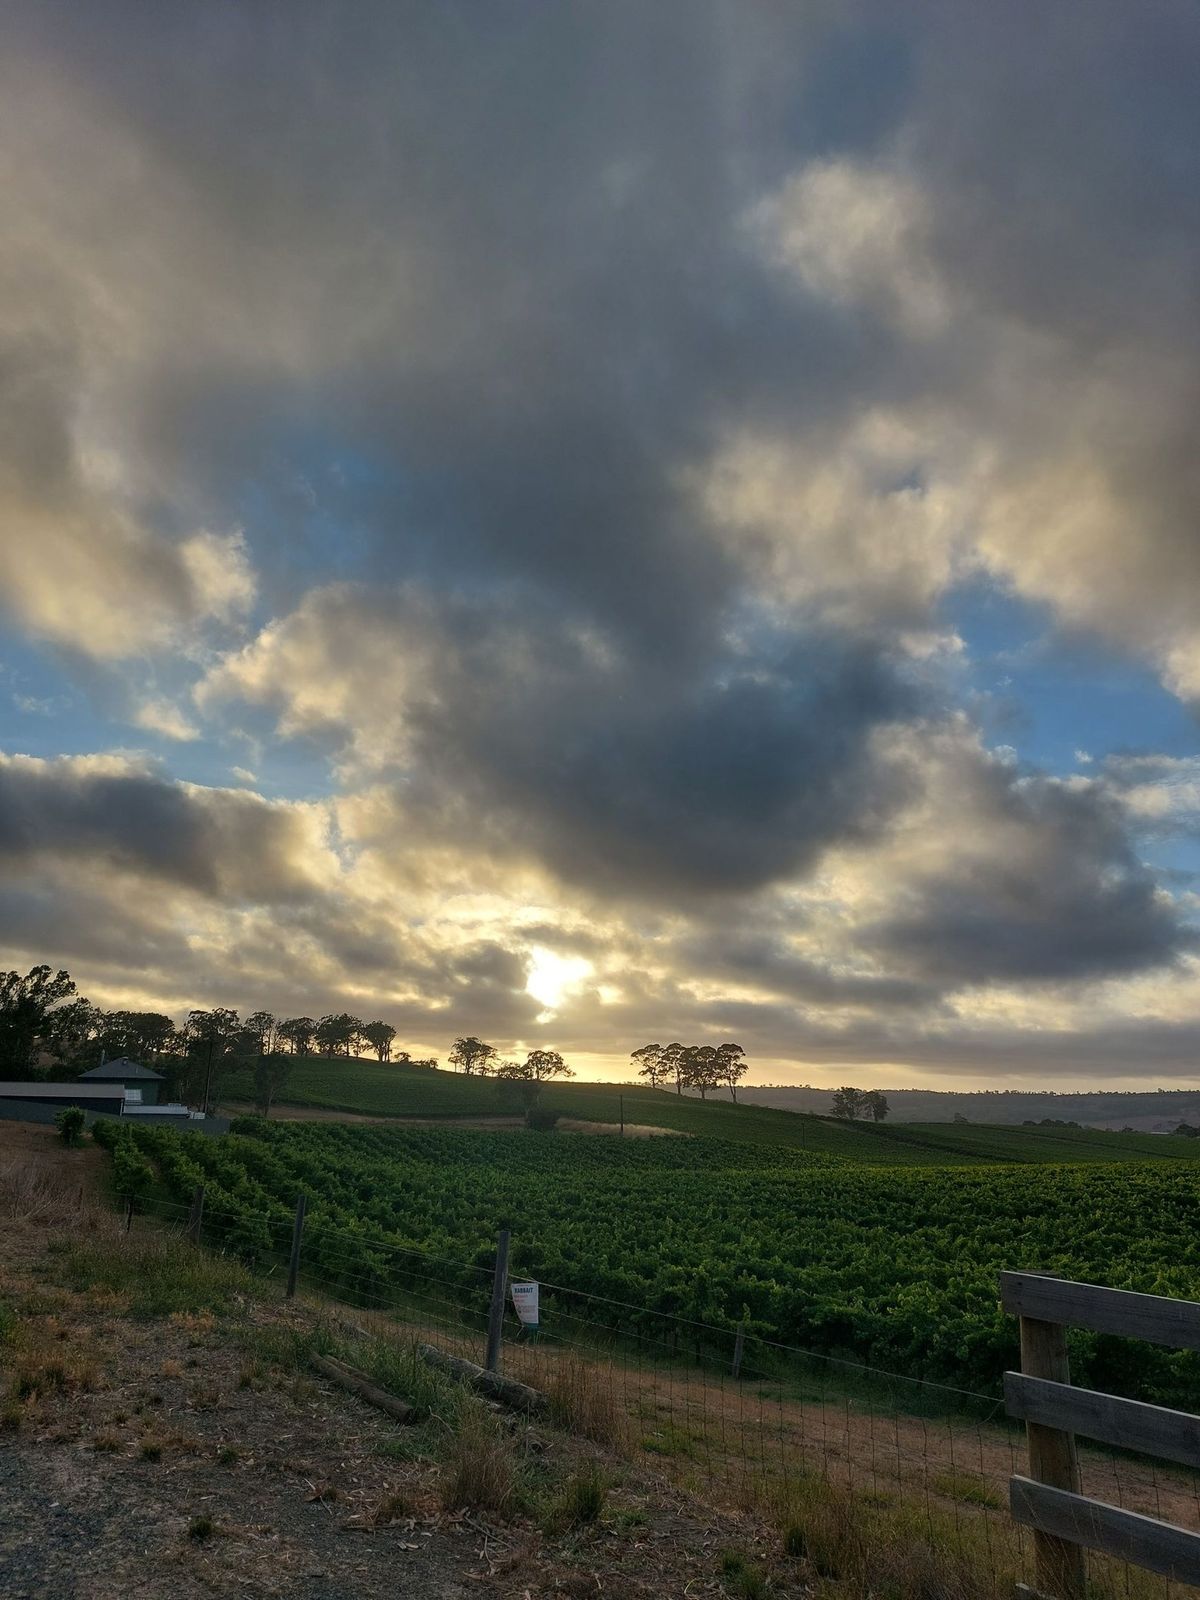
[
  {"x": 583, "y": 1399},
  {"x": 36, "y": 1192},
  {"x": 480, "y": 1470},
  {"x": 47, "y": 1367}
]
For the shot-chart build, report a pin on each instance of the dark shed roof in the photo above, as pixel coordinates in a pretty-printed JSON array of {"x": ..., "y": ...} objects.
[{"x": 121, "y": 1071}]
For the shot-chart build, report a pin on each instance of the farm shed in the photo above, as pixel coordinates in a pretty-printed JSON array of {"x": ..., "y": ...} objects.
[
  {"x": 104, "y": 1098},
  {"x": 141, "y": 1083}
]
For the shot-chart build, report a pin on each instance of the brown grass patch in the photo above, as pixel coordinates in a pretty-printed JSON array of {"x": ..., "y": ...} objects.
[
  {"x": 53, "y": 1369},
  {"x": 583, "y": 1399},
  {"x": 38, "y": 1192}
]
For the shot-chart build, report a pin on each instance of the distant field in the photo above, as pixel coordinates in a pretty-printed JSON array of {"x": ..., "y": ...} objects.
[{"x": 382, "y": 1089}]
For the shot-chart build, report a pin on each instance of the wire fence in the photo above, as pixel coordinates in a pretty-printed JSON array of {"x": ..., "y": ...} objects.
[{"x": 863, "y": 1466}]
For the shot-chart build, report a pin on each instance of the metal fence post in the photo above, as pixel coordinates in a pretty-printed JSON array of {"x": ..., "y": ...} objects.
[
  {"x": 196, "y": 1214},
  {"x": 496, "y": 1311},
  {"x": 128, "y": 1213},
  {"x": 739, "y": 1345},
  {"x": 621, "y": 1102},
  {"x": 1061, "y": 1565},
  {"x": 297, "y": 1235}
]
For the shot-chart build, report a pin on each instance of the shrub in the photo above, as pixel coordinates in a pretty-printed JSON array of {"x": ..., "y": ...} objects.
[
  {"x": 541, "y": 1119},
  {"x": 200, "y": 1528},
  {"x": 70, "y": 1122}
]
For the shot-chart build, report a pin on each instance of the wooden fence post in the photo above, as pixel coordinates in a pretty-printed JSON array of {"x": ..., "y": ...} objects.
[
  {"x": 196, "y": 1214},
  {"x": 1061, "y": 1565},
  {"x": 297, "y": 1235},
  {"x": 739, "y": 1345},
  {"x": 496, "y": 1312},
  {"x": 128, "y": 1213}
]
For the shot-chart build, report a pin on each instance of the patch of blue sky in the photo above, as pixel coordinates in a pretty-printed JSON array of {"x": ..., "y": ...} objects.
[{"x": 1055, "y": 696}]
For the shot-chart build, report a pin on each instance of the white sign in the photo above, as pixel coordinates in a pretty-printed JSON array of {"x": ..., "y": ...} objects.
[{"x": 525, "y": 1300}]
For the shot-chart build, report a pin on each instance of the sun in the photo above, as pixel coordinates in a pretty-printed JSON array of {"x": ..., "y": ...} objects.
[{"x": 553, "y": 978}]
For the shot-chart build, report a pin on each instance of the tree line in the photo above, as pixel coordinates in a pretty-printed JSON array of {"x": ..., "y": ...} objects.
[
  {"x": 42, "y": 1015},
  {"x": 854, "y": 1103},
  {"x": 478, "y": 1059},
  {"x": 692, "y": 1066}
]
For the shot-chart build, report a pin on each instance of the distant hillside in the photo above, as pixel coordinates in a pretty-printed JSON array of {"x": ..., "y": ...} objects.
[
  {"x": 392, "y": 1090},
  {"x": 1143, "y": 1109}
]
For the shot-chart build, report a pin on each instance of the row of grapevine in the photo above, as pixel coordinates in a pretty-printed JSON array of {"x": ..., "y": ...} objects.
[{"x": 893, "y": 1266}]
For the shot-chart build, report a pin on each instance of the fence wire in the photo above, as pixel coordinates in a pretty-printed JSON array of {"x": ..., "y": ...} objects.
[{"x": 853, "y": 1457}]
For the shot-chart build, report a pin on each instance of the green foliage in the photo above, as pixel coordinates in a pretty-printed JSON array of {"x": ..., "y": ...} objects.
[
  {"x": 27, "y": 1004},
  {"x": 542, "y": 1119},
  {"x": 70, "y": 1122},
  {"x": 133, "y": 1173},
  {"x": 893, "y": 1266}
]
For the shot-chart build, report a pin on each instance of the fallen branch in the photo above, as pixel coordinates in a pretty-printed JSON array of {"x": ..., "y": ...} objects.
[
  {"x": 358, "y": 1383},
  {"x": 518, "y": 1396}
]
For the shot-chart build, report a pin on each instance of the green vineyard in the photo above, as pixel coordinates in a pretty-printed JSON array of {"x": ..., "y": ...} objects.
[{"x": 891, "y": 1266}]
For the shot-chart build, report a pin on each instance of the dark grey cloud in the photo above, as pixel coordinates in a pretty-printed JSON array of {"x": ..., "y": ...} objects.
[
  {"x": 647, "y": 787},
  {"x": 1038, "y": 883},
  {"x": 220, "y": 843}
]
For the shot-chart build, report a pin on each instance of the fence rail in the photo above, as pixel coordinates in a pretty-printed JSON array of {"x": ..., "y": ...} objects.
[{"x": 1065, "y": 1522}]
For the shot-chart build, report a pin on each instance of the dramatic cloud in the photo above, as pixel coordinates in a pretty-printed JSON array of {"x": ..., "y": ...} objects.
[
  {"x": 614, "y": 772},
  {"x": 1008, "y": 877},
  {"x": 546, "y": 450},
  {"x": 222, "y": 843}
]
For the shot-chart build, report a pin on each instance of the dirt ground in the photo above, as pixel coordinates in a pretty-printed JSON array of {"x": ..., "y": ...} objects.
[
  {"x": 632, "y": 1130},
  {"x": 282, "y": 1113},
  {"x": 162, "y": 1458}
]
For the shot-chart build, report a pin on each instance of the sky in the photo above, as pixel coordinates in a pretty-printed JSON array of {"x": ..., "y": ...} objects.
[{"x": 600, "y": 523}]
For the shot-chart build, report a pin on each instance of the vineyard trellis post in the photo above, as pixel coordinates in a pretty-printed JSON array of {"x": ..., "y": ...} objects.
[
  {"x": 297, "y": 1237},
  {"x": 739, "y": 1345},
  {"x": 196, "y": 1214},
  {"x": 495, "y": 1330}
]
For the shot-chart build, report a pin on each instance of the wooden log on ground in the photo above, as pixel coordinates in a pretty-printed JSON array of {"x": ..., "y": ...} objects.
[
  {"x": 517, "y": 1396},
  {"x": 358, "y": 1383}
]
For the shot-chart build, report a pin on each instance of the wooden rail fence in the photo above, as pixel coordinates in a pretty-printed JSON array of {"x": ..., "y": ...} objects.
[{"x": 1065, "y": 1522}]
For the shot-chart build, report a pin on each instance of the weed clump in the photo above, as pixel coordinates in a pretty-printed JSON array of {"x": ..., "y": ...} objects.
[{"x": 480, "y": 1467}]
